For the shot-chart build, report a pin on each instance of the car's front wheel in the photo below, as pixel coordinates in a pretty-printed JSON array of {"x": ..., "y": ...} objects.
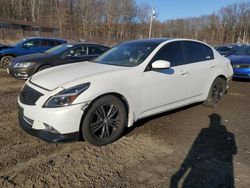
[
  {"x": 104, "y": 121},
  {"x": 216, "y": 92},
  {"x": 5, "y": 61}
]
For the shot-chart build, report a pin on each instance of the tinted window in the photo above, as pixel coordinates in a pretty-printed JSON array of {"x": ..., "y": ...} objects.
[
  {"x": 171, "y": 52},
  {"x": 77, "y": 52},
  {"x": 46, "y": 43},
  {"x": 195, "y": 52},
  {"x": 96, "y": 50}
]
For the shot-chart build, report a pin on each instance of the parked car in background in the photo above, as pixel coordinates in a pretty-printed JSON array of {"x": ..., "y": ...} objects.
[
  {"x": 240, "y": 61},
  {"x": 27, "y": 46},
  {"x": 25, "y": 66},
  {"x": 131, "y": 81},
  {"x": 227, "y": 50}
]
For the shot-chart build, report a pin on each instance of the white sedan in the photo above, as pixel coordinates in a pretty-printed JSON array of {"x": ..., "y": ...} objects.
[{"x": 97, "y": 100}]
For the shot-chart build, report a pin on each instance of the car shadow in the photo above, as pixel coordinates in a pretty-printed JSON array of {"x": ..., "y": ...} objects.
[
  {"x": 209, "y": 162},
  {"x": 241, "y": 80}
]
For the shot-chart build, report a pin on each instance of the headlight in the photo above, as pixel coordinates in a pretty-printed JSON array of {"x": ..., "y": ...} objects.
[
  {"x": 24, "y": 64},
  {"x": 236, "y": 66},
  {"x": 66, "y": 97}
]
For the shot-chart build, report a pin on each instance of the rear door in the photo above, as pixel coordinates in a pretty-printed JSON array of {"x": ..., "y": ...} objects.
[{"x": 201, "y": 66}]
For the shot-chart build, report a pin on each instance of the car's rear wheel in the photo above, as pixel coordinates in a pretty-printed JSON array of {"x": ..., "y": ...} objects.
[
  {"x": 104, "y": 121},
  {"x": 5, "y": 61},
  {"x": 216, "y": 93}
]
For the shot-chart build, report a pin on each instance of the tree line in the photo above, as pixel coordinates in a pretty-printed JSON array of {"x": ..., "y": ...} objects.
[{"x": 112, "y": 21}]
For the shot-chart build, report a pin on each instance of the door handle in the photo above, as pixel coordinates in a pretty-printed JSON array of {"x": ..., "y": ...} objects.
[
  {"x": 183, "y": 72},
  {"x": 212, "y": 66}
]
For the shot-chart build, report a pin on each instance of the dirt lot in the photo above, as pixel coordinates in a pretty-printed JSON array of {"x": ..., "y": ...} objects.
[{"x": 189, "y": 146}]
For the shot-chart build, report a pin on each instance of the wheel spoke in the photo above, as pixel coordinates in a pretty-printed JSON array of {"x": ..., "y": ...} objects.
[
  {"x": 102, "y": 112},
  {"x": 112, "y": 111},
  {"x": 99, "y": 115},
  {"x": 115, "y": 123},
  {"x": 96, "y": 126},
  {"x": 106, "y": 132}
]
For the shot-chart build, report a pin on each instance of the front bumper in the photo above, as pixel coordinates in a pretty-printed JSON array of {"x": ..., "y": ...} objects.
[
  {"x": 50, "y": 124},
  {"x": 21, "y": 73},
  {"x": 241, "y": 73},
  {"x": 44, "y": 134}
]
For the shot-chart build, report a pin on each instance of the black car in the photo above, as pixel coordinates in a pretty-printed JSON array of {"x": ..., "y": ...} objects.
[{"x": 25, "y": 66}]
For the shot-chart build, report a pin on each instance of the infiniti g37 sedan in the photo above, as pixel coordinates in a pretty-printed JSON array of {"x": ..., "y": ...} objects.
[{"x": 97, "y": 100}]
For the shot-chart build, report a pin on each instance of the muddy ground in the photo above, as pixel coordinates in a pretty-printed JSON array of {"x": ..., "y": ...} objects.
[{"x": 183, "y": 147}]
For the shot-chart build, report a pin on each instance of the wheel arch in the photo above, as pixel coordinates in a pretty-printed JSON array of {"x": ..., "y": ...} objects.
[
  {"x": 8, "y": 54},
  {"x": 211, "y": 82},
  {"x": 41, "y": 65},
  {"x": 130, "y": 114}
]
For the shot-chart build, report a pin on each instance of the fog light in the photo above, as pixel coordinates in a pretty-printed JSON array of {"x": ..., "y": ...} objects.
[{"x": 50, "y": 129}]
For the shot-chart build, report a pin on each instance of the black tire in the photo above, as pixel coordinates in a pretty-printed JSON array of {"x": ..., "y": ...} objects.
[
  {"x": 43, "y": 67},
  {"x": 5, "y": 61},
  {"x": 216, "y": 93},
  {"x": 104, "y": 121}
]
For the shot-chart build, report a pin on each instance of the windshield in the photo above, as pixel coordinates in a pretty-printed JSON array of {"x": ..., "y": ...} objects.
[
  {"x": 245, "y": 50},
  {"x": 127, "y": 54},
  {"x": 19, "y": 43},
  {"x": 58, "y": 49}
]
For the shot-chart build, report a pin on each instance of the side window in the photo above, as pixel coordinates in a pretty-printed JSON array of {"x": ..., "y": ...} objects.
[
  {"x": 49, "y": 43},
  {"x": 95, "y": 50},
  {"x": 45, "y": 43},
  {"x": 77, "y": 52},
  {"x": 56, "y": 43},
  {"x": 31, "y": 43},
  {"x": 209, "y": 54},
  {"x": 171, "y": 52},
  {"x": 196, "y": 52}
]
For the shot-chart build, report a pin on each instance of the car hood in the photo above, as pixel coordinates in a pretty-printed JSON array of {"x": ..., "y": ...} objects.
[
  {"x": 239, "y": 59},
  {"x": 32, "y": 57},
  {"x": 3, "y": 46},
  {"x": 71, "y": 74}
]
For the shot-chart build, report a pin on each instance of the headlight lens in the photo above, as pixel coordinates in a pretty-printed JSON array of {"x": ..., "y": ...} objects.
[
  {"x": 24, "y": 64},
  {"x": 66, "y": 97}
]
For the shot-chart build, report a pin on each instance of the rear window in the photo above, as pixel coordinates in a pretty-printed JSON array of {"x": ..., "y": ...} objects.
[{"x": 196, "y": 52}]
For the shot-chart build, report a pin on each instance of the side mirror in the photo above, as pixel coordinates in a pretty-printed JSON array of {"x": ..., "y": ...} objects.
[{"x": 161, "y": 64}]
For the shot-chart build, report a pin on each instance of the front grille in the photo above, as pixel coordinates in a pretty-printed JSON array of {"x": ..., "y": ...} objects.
[
  {"x": 244, "y": 75},
  {"x": 241, "y": 66},
  {"x": 29, "y": 96}
]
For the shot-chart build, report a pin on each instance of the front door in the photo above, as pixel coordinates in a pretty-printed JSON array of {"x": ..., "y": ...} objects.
[{"x": 166, "y": 88}]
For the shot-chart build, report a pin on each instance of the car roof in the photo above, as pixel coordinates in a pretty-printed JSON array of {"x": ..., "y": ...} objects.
[
  {"x": 28, "y": 38},
  {"x": 85, "y": 43},
  {"x": 151, "y": 40}
]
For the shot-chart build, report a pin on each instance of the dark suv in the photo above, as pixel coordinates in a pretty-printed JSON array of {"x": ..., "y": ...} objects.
[{"x": 27, "y": 46}]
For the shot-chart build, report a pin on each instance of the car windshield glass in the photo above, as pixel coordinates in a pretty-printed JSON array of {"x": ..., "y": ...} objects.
[
  {"x": 20, "y": 42},
  {"x": 243, "y": 51},
  {"x": 58, "y": 49},
  {"x": 127, "y": 54}
]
